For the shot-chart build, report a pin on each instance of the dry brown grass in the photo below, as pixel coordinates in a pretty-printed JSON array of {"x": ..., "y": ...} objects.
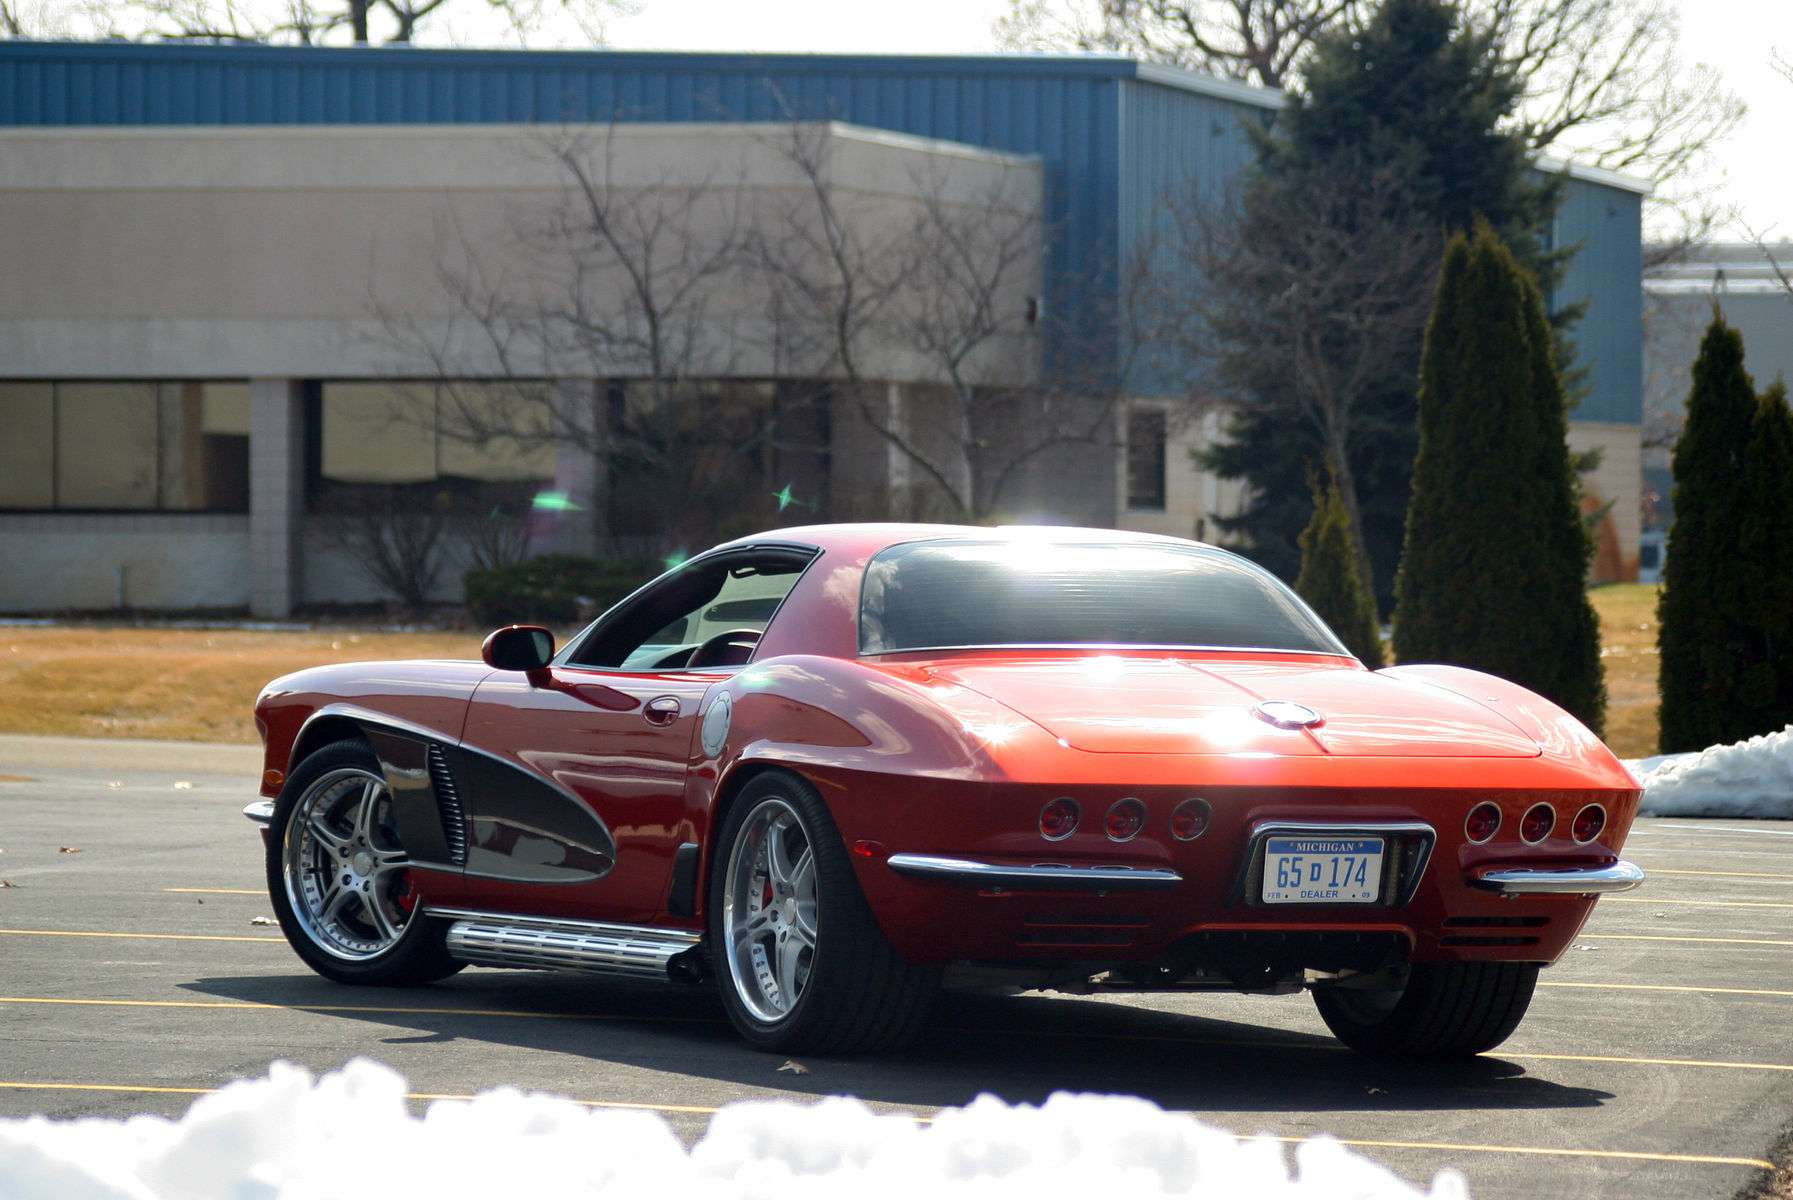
[
  {"x": 199, "y": 684},
  {"x": 1628, "y": 650},
  {"x": 179, "y": 684}
]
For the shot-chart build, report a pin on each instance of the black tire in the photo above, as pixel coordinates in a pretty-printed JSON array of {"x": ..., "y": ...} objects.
[
  {"x": 356, "y": 921},
  {"x": 800, "y": 961},
  {"x": 1440, "y": 1010}
]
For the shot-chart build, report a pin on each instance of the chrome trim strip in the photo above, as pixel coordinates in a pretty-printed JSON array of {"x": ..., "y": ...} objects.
[
  {"x": 261, "y": 812},
  {"x": 563, "y": 944},
  {"x": 1052, "y": 876},
  {"x": 1620, "y": 876}
]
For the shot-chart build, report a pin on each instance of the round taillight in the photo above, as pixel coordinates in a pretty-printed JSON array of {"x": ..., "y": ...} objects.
[
  {"x": 1058, "y": 820},
  {"x": 1125, "y": 819},
  {"x": 1483, "y": 822},
  {"x": 1537, "y": 823},
  {"x": 1589, "y": 824},
  {"x": 1190, "y": 820}
]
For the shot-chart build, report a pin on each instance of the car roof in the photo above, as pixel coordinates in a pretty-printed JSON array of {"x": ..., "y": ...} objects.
[{"x": 867, "y": 538}]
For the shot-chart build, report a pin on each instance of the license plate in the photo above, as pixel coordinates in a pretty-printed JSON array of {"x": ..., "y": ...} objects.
[{"x": 1321, "y": 870}]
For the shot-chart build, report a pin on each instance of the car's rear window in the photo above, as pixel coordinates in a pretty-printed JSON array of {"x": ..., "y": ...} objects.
[{"x": 950, "y": 594}]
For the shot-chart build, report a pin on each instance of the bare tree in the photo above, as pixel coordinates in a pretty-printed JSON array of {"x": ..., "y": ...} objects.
[
  {"x": 398, "y": 534},
  {"x": 1309, "y": 297},
  {"x": 1257, "y": 41},
  {"x": 1603, "y": 82},
  {"x": 615, "y": 324},
  {"x": 301, "y": 22},
  {"x": 949, "y": 293}
]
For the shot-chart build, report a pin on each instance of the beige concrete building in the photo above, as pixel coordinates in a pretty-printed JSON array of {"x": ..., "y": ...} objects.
[{"x": 209, "y": 329}]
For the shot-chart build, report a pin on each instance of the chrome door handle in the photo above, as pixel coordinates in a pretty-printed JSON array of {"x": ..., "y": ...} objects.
[{"x": 661, "y": 710}]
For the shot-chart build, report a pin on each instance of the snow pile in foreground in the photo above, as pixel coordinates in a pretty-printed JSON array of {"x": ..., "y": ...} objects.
[
  {"x": 290, "y": 1137},
  {"x": 1753, "y": 778}
]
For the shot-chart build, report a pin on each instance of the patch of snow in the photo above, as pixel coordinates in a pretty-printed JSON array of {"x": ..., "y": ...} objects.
[
  {"x": 292, "y": 1137},
  {"x": 1752, "y": 778}
]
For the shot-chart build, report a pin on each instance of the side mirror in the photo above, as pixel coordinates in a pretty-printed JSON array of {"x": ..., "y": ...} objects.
[{"x": 518, "y": 648}]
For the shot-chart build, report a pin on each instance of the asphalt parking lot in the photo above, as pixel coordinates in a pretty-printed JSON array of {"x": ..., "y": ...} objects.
[{"x": 137, "y": 973}]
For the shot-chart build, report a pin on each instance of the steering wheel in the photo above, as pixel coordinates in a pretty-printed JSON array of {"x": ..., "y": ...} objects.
[{"x": 715, "y": 650}]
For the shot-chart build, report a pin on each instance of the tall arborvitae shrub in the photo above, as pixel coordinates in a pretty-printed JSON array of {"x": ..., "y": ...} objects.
[
  {"x": 1331, "y": 581},
  {"x": 1765, "y": 560},
  {"x": 1703, "y": 648},
  {"x": 1494, "y": 566}
]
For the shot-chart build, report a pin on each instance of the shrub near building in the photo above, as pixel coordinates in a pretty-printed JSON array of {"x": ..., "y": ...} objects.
[
  {"x": 1493, "y": 572},
  {"x": 1726, "y": 631},
  {"x": 1766, "y": 560},
  {"x": 1712, "y": 634},
  {"x": 553, "y": 589},
  {"x": 1331, "y": 581}
]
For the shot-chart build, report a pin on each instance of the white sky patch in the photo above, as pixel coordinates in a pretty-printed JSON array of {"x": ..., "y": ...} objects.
[
  {"x": 1752, "y": 778},
  {"x": 292, "y": 1137}
]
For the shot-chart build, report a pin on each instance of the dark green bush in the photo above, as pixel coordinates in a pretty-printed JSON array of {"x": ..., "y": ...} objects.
[
  {"x": 1705, "y": 635},
  {"x": 554, "y": 589},
  {"x": 1330, "y": 580},
  {"x": 1493, "y": 575}
]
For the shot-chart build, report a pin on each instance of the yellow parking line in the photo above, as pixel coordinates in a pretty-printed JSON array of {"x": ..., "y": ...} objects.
[
  {"x": 1632, "y": 1155},
  {"x": 1697, "y": 903},
  {"x": 1657, "y": 937},
  {"x": 1645, "y": 1062},
  {"x": 701, "y": 1109},
  {"x": 107, "y": 1087},
  {"x": 264, "y": 891},
  {"x": 162, "y": 937},
  {"x": 355, "y": 1008},
  {"x": 1725, "y": 874},
  {"x": 1663, "y": 987}
]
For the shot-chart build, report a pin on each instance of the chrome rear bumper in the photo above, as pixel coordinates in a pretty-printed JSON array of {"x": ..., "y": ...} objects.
[
  {"x": 1620, "y": 876},
  {"x": 1039, "y": 877}
]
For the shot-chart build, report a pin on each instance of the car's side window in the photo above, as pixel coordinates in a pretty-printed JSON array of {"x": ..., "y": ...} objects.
[{"x": 708, "y": 613}]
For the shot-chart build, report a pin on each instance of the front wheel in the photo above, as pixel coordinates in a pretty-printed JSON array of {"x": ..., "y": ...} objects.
[
  {"x": 340, "y": 879},
  {"x": 1431, "y": 1010},
  {"x": 800, "y": 960}
]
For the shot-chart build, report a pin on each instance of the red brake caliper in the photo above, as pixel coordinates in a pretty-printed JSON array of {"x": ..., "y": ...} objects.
[{"x": 405, "y": 895}]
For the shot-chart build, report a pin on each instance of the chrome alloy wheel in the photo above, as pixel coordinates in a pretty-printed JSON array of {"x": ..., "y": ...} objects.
[
  {"x": 347, "y": 875},
  {"x": 769, "y": 910}
]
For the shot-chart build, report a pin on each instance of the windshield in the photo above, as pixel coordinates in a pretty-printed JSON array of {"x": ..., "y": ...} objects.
[{"x": 943, "y": 595}]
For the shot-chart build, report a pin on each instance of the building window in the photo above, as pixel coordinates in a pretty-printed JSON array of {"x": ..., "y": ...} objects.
[
  {"x": 1145, "y": 459},
  {"x": 463, "y": 436},
  {"x": 138, "y": 446}
]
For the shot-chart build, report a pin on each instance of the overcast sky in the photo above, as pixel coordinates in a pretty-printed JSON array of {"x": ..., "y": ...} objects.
[{"x": 1738, "y": 37}]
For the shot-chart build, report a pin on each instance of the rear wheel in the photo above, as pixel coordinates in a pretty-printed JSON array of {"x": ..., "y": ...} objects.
[
  {"x": 800, "y": 960},
  {"x": 340, "y": 879},
  {"x": 1431, "y": 1010}
]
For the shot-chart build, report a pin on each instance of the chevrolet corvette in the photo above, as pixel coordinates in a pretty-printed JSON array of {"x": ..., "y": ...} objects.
[{"x": 830, "y": 770}]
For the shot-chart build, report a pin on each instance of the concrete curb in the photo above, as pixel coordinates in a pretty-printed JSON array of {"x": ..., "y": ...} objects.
[{"x": 204, "y": 758}]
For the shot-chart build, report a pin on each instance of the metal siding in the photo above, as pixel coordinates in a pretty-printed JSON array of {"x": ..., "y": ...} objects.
[
  {"x": 1607, "y": 272},
  {"x": 1177, "y": 140}
]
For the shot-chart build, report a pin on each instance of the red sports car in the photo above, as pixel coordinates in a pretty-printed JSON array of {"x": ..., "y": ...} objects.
[{"x": 833, "y": 768}]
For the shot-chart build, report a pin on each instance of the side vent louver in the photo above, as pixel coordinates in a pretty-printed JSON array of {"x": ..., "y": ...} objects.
[{"x": 448, "y": 803}]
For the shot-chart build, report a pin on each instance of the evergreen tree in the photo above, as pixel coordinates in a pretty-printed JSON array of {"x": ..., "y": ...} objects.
[
  {"x": 1701, "y": 646},
  {"x": 1416, "y": 95},
  {"x": 1330, "y": 580},
  {"x": 1765, "y": 565},
  {"x": 1494, "y": 568}
]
